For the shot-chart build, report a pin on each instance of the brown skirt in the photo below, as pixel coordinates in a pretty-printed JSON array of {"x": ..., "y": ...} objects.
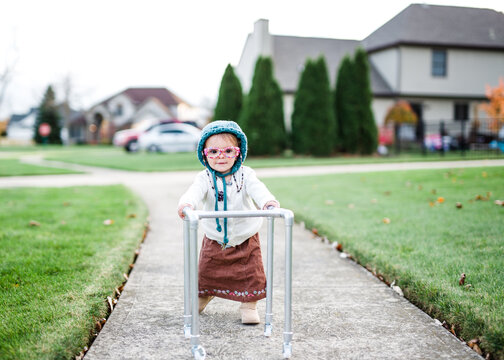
[{"x": 236, "y": 273}]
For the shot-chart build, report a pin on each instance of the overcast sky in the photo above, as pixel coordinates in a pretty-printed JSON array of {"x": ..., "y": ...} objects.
[{"x": 105, "y": 46}]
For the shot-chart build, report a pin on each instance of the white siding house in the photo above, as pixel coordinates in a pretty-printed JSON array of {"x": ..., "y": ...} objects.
[
  {"x": 439, "y": 58},
  {"x": 130, "y": 107}
]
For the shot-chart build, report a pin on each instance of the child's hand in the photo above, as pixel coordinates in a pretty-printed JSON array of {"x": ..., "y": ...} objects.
[
  {"x": 181, "y": 208},
  {"x": 271, "y": 203}
]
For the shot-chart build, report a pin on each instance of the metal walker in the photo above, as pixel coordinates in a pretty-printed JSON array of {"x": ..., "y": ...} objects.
[{"x": 191, "y": 314}]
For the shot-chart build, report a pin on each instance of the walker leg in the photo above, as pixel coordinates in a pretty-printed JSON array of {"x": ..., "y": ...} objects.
[
  {"x": 287, "y": 346},
  {"x": 187, "y": 290},
  {"x": 197, "y": 350},
  {"x": 268, "y": 326}
]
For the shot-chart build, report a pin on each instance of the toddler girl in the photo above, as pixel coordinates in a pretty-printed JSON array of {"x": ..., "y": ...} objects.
[{"x": 230, "y": 264}]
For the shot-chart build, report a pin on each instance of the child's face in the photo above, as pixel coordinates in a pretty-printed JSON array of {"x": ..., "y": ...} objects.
[{"x": 221, "y": 163}]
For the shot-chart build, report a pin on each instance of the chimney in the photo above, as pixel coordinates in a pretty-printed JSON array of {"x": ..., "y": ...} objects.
[{"x": 262, "y": 38}]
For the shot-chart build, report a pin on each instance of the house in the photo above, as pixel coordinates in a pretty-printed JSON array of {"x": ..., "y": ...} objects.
[
  {"x": 131, "y": 107},
  {"x": 438, "y": 58},
  {"x": 21, "y": 127}
]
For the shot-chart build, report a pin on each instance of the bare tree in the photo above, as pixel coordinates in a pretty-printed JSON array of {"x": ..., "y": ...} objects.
[{"x": 7, "y": 72}]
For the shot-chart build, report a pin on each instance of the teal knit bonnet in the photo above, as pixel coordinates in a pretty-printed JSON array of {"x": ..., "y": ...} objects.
[{"x": 219, "y": 127}]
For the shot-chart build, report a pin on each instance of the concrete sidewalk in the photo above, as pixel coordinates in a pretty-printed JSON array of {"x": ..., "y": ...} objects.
[{"x": 340, "y": 311}]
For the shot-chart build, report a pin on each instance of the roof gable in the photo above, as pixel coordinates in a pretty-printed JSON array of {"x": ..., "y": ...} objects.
[
  {"x": 140, "y": 95},
  {"x": 434, "y": 25}
]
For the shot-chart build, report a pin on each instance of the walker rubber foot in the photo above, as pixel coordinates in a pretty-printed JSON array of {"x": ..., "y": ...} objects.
[
  {"x": 199, "y": 352},
  {"x": 287, "y": 351}
]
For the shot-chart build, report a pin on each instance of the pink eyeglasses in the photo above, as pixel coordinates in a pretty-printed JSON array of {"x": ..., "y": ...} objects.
[{"x": 229, "y": 152}]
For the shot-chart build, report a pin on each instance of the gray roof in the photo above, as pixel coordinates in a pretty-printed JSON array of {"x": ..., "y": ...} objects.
[
  {"x": 17, "y": 118},
  {"x": 434, "y": 25},
  {"x": 290, "y": 54}
]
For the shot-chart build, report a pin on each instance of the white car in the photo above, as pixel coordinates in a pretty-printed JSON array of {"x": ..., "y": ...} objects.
[{"x": 175, "y": 137}]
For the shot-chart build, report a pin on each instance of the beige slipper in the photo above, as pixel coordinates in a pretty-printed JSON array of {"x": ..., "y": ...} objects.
[
  {"x": 249, "y": 313},
  {"x": 203, "y": 302}
]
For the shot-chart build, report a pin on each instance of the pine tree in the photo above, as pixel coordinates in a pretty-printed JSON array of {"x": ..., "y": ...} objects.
[
  {"x": 48, "y": 113},
  {"x": 262, "y": 115},
  {"x": 345, "y": 103},
  {"x": 313, "y": 116},
  {"x": 367, "y": 131},
  {"x": 230, "y": 101}
]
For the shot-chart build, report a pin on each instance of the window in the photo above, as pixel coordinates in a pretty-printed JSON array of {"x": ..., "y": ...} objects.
[
  {"x": 439, "y": 63},
  {"x": 119, "y": 110},
  {"x": 461, "y": 111}
]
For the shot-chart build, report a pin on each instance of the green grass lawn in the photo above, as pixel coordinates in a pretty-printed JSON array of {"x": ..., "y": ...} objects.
[
  {"x": 117, "y": 158},
  {"x": 429, "y": 241},
  {"x": 55, "y": 277},
  {"x": 13, "y": 167}
]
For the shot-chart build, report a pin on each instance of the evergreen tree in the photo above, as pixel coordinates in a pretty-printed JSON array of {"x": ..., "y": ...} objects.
[
  {"x": 345, "y": 103},
  {"x": 48, "y": 113},
  {"x": 262, "y": 115},
  {"x": 230, "y": 101},
  {"x": 313, "y": 120},
  {"x": 367, "y": 131}
]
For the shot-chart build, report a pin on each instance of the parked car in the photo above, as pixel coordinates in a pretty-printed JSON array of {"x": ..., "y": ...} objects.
[
  {"x": 175, "y": 137},
  {"x": 128, "y": 138}
]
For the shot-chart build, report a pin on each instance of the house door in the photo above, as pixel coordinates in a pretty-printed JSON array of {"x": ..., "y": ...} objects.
[
  {"x": 420, "y": 128},
  {"x": 98, "y": 119}
]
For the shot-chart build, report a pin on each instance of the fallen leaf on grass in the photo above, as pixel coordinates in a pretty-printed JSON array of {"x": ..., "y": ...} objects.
[
  {"x": 387, "y": 193},
  {"x": 126, "y": 276},
  {"x": 329, "y": 202},
  {"x": 110, "y": 303},
  {"x": 351, "y": 206},
  {"x": 480, "y": 197},
  {"x": 431, "y": 203},
  {"x": 452, "y": 330},
  {"x": 337, "y": 246},
  {"x": 386, "y": 220},
  {"x": 66, "y": 203},
  {"x": 477, "y": 349},
  {"x": 374, "y": 201},
  {"x": 458, "y": 205},
  {"x": 34, "y": 223},
  {"x": 108, "y": 222},
  {"x": 484, "y": 174},
  {"x": 462, "y": 279},
  {"x": 315, "y": 231},
  {"x": 499, "y": 202},
  {"x": 396, "y": 288},
  {"x": 473, "y": 342},
  {"x": 131, "y": 216},
  {"x": 433, "y": 191},
  {"x": 440, "y": 200}
]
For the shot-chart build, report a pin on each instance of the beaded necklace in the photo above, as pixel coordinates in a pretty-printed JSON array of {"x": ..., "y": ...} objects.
[{"x": 220, "y": 194}]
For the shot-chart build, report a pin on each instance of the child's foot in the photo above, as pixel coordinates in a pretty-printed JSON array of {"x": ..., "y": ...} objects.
[
  {"x": 203, "y": 302},
  {"x": 249, "y": 313}
]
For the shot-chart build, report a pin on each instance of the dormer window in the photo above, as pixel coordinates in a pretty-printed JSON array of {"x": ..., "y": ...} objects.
[
  {"x": 439, "y": 62},
  {"x": 119, "y": 110}
]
